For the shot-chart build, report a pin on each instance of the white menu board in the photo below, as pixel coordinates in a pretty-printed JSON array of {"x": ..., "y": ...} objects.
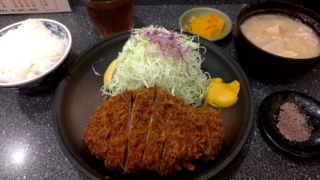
[{"x": 33, "y": 6}]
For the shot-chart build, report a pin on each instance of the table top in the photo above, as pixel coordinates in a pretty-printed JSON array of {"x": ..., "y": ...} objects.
[{"x": 30, "y": 150}]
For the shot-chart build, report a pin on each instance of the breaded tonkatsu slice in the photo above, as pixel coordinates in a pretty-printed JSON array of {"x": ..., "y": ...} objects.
[
  {"x": 150, "y": 129},
  {"x": 97, "y": 132},
  {"x": 215, "y": 132},
  {"x": 156, "y": 132},
  {"x": 138, "y": 127},
  {"x": 173, "y": 147},
  {"x": 100, "y": 130},
  {"x": 195, "y": 129},
  {"x": 118, "y": 135}
]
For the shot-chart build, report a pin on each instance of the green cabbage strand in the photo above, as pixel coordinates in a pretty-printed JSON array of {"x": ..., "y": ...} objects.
[{"x": 143, "y": 62}]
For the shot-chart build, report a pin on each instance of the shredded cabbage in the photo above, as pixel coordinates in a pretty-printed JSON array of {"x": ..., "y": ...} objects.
[{"x": 156, "y": 57}]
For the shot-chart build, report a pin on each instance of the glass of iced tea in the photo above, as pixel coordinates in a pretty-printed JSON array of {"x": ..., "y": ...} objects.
[{"x": 110, "y": 16}]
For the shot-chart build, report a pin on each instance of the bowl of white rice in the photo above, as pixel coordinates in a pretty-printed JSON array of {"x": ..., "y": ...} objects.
[{"x": 33, "y": 55}]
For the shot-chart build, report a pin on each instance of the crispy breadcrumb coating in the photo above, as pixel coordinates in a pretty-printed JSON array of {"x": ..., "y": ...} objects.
[
  {"x": 156, "y": 132},
  {"x": 149, "y": 129},
  {"x": 141, "y": 113},
  {"x": 215, "y": 132}
]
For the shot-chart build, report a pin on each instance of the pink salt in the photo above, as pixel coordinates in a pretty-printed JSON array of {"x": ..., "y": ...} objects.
[{"x": 293, "y": 124}]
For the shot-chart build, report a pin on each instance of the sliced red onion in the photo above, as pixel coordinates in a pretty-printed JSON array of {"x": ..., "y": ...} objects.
[
  {"x": 94, "y": 71},
  {"x": 168, "y": 44}
]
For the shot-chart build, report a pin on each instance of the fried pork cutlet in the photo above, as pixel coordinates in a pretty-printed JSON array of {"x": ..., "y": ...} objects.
[
  {"x": 159, "y": 133},
  {"x": 100, "y": 132},
  {"x": 195, "y": 141},
  {"x": 173, "y": 147},
  {"x": 156, "y": 134},
  {"x": 140, "y": 118},
  {"x": 215, "y": 132},
  {"x": 118, "y": 135}
]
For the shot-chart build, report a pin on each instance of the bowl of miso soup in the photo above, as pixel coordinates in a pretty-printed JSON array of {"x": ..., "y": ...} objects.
[{"x": 277, "y": 41}]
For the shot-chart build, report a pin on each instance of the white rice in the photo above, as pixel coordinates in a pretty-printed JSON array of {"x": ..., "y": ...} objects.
[{"x": 28, "y": 51}]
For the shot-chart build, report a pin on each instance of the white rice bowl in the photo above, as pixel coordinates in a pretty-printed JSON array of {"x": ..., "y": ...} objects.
[{"x": 29, "y": 50}]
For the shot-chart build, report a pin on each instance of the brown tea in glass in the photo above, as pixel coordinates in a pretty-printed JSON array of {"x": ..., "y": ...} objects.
[{"x": 110, "y": 16}]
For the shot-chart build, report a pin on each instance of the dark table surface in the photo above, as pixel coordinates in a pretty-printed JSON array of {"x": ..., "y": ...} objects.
[{"x": 29, "y": 148}]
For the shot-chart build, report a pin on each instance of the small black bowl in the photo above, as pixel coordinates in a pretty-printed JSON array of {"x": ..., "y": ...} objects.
[
  {"x": 269, "y": 111},
  {"x": 263, "y": 64}
]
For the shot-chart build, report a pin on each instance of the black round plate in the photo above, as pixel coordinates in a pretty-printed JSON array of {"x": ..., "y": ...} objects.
[
  {"x": 78, "y": 95},
  {"x": 269, "y": 111}
]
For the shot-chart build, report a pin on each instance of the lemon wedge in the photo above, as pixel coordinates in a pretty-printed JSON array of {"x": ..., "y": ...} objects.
[
  {"x": 222, "y": 95},
  {"x": 109, "y": 72}
]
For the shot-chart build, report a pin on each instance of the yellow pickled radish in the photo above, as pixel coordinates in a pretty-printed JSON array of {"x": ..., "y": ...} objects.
[{"x": 206, "y": 26}]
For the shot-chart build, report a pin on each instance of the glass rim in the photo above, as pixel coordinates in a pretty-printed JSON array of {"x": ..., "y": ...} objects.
[{"x": 101, "y": 2}]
